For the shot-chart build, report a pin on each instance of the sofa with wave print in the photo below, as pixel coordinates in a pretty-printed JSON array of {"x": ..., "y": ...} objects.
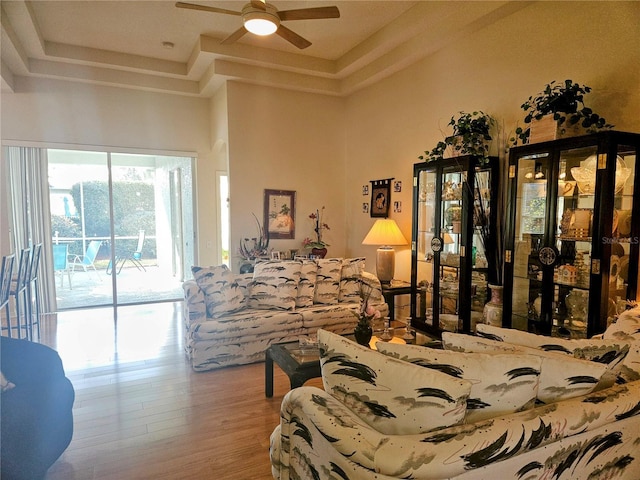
[
  {"x": 411, "y": 414},
  {"x": 231, "y": 319}
]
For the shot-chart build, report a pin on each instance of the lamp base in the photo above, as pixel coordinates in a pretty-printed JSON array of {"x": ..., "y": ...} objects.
[{"x": 385, "y": 264}]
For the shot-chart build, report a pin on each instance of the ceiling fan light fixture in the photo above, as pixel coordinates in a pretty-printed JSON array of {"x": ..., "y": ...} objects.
[
  {"x": 260, "y": 26},
  {"x": 260, "y": 22}
]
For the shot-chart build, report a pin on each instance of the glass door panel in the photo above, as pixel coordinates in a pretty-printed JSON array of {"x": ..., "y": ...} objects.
[
  {"x": 621, "y": 239},
  {"x": 453, "y": 182},
  {"x": 79, "y": 208},
  {"x": 147, "y": 201},
  {"x": 480, "y": 253},
  {"x": 573, "y": 239},
  {"x": 426, "y": 231},
  {"x": 530, "y": 220}
]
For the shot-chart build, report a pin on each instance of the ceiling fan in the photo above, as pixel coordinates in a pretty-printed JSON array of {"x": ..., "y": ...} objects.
[{"x": 262, "y": 18}]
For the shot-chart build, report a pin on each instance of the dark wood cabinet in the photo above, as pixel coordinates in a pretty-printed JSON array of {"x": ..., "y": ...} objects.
[
  {"x": 452, "y": 200},
  {"x": 573, "y": 228}
]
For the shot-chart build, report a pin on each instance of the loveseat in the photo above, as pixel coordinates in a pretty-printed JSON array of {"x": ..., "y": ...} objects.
[
  {"x": 231, "y": 319},
  {"x": 367, "y": 425}
]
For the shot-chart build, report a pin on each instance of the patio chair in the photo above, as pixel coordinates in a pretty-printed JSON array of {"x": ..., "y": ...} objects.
[
  {"x": 61, "y": 262},
  {"x": 136, "y": 256},
  {"x": 86, "y": 261}
]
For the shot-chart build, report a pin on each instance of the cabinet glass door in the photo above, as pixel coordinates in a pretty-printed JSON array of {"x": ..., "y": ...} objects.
[
  {"x": 573, "y": 240},
  {"x": 426, "y": 231},
  {"x": 451, "y": 230},
  {"x": 530, "y": 221},
  {"x": 622, "y": 241},
  {"x": 484, "y": 248}
]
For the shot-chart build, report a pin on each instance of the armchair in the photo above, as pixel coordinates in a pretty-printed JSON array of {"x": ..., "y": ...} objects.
[{"x": 37, "y": 418}]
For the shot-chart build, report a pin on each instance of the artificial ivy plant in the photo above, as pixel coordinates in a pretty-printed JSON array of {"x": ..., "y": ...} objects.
[
  {"x": 471, "y": 136},
  {"x": 565, "y": 101}
]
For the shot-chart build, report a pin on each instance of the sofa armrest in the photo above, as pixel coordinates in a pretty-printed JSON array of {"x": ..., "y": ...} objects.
[
  {"x": 311, "y": 409},
  {"x": 376, "y": 292},
  {"x": 194, "y": 304}
]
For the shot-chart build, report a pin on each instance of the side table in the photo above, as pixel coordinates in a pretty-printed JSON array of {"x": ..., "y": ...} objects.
[{"x": 389, "y": 292}]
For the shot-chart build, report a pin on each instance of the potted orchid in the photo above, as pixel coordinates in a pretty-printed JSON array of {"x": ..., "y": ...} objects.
[
  {"x": 252, "y": 248},
  {"x": 366, "y": 314},
  {"x": 318, "y": 246}
]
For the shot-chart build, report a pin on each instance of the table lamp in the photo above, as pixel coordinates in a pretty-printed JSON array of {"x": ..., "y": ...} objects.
[{"x": 385, "y": 232}]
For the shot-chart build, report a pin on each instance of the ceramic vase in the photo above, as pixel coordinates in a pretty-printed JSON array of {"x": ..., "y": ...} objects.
[
  {"x": 319, "y": 252},
  {"x": 492, "y": 313},
  {"x": 363, "y": 333}
]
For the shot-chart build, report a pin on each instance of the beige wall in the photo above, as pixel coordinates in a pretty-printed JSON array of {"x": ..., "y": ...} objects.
[
  {"x": 285, "y": 140},
  {"x": 73, "y": 114},
  {"x": 393, "y": 122}
]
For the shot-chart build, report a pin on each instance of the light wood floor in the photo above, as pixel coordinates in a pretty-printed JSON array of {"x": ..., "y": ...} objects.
[{"x": 142, "y": 413}]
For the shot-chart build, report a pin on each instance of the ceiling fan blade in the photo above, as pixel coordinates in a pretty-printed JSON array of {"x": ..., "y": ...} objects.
[
  {"x": 309, "y": 13},
  {"x": 292, "y": 37},
  {"x": 194, "y": 6},
  {"x": 234, "y": 36},
  {"x": 259, "y": 4}
]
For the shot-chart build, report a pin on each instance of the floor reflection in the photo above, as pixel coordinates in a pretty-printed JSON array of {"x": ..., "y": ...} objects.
[{"x": 92, "y": 338}]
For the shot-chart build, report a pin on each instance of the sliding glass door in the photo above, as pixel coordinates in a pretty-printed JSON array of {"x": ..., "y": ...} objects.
[{"x": 127, "y": 223}]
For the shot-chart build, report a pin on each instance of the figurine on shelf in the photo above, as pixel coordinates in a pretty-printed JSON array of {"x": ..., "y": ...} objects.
[{"x": 582, "y": 275}]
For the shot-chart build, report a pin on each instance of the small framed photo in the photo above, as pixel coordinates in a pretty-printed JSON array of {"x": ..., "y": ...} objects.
[
  {"x": 397, "y": 186},
  {"x": 275, "y": 255},
  {"x": 380, "y": 199},
  {"x": 397, "y": 207},
  {"x": 280, "y": 213},
  {"x": 365, "y": 190},
  {"x": 365, "y": 208}
]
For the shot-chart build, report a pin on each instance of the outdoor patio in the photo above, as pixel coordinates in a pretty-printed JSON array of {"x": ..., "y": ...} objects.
[{"x": 134, "y": 286}]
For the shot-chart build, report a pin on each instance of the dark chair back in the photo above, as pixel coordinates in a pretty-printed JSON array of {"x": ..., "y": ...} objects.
[
  {"x": 35, "y": 262},
  {"x": 22, "y": 279},
  {"x": 5, "y": 278}
]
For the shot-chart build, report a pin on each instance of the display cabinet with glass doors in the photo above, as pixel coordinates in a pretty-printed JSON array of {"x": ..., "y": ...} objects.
[
  {"x": 573, "y": 224},
  {"x": 454, "y": 211}
]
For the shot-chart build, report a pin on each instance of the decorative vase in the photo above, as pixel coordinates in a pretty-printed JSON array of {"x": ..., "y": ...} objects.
[
  {"x": 492, "y": 313},
  {"x": 363, "y": 333},
  {"x": 319, "y": 252}
]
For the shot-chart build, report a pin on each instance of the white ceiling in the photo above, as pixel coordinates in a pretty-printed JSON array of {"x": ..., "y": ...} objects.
[{"x": 121, "y": 43}]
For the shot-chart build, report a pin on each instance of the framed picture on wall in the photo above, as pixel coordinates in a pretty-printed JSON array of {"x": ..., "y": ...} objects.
[
  {"x": 280, "y": 213},
  {"x": 380, "y": 198}
]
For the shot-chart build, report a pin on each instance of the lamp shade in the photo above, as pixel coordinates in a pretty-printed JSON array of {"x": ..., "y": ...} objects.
[{"x": 384, "y": 232}]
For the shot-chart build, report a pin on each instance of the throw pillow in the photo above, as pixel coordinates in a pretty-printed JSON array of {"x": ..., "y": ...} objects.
[
  {"x": 561, "y": 376},
  {"x": 307, "y": 283},
  {"x": 350, "y": 278},
  {"x": 608, "y": 352},
  {"x": 500, "y": 383},
  {"x": 5, "y": 384},
  {"x": 275, "y": 285},
  {"x": 391, "y": 396},
  {"x": 222, "y": 294},
  {"x": 328, "y": 280}
]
